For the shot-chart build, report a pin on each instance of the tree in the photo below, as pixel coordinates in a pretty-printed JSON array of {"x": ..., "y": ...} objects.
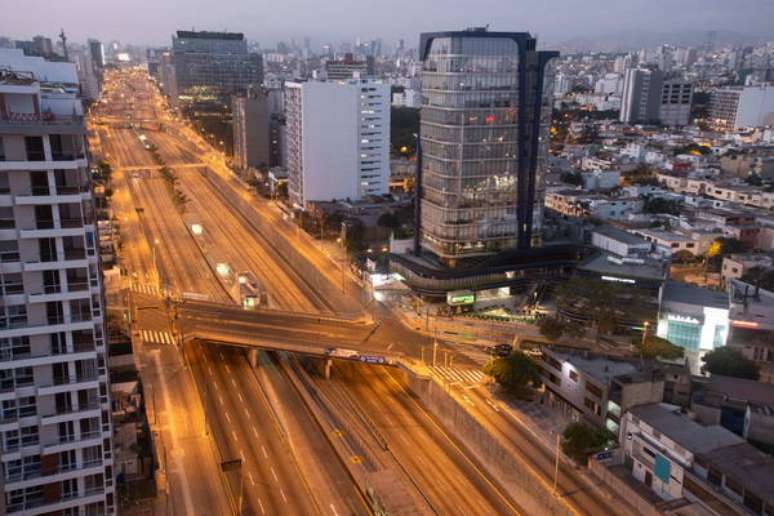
[
  {"x": 571, "y": 178},
  {"x": 721, "y": 247},
  {"x": 516, "y": 373},
  {"x": 761, "y": 277},
  {"x": 355, "y": 237},
  {"x": 730, "y": 362},
  {"x": 661, "y": 205},
  {"x": 657, "y": 347},
  {"x": 579, "y": 440},
  {"x": 552, "y": 328},
  {"x": 388, "y": 220},
  {"x": 404, "y": 125}
]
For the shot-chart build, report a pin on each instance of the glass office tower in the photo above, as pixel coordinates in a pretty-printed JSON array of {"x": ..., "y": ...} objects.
[{"x": 485, "y": 113}]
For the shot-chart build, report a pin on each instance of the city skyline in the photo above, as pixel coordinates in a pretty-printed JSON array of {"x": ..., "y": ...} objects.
[{"x": 557, "y": 22}]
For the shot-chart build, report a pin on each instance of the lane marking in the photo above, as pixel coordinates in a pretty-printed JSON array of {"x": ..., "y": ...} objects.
[
  {"x": 240, "y": 397},
  {"x": 333, "y": 508},
  {"x": 265, "y": 455},
  {"x": 233, "y": 382},
  {"x": 255, "y": 431},
  {"x": 250, "y": 476},
  {"x": 274, "y": 474},
  {"x": 228, "y": 417},
  {"x": 246, "y": 412},
  {"x": 285, "y": 498},
  {"x": 242, "y": 455},
  {"x": 233, "y": 433},
  {"x": 260, "y": 504}
]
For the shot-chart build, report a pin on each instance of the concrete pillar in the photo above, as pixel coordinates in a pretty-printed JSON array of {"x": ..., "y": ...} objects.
[
  {"x": 328, "y": 364},
  {"x": 252, "y": 357}
]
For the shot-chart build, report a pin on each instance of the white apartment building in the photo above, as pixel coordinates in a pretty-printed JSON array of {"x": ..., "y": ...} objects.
[
  {"x": 55, "y": 427},
  {"x": 738, "y": 107},
  {"x": 337, "y": 140}
]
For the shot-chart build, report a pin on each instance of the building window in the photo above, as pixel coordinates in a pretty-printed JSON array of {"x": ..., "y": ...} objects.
[
  {"x": 593, "y": 389},
  {"x": 734, "y": 486},
  {"x": 573, "y": 375}
]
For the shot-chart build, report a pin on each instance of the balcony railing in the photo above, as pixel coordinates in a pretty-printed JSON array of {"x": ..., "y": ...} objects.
[
  {"x": 67, "y": 155},
  {"x": 46, "y": 117},
  {"x": 71, "y": 222},
  {"x": 44, "y": 224},
  {"x": 75, "y": 253}
]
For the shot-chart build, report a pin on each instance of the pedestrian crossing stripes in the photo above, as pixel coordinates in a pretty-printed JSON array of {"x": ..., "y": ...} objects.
[
  {"x": 458, "y": 375},
  {"x": 156, "y": 337},
  {"x": 151, "y": 290}
]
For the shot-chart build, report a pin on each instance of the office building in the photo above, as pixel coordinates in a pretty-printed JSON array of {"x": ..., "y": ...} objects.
[
  {"x": 737, "y": 107},
  {"x": 694, "y": 318},
  {"x": 337, "y": 140},
  {"x": 349, "y": 68},
  {"x": 483, "y": 142},
  {"x": 216, "y": 62},
  {"x": 167, "y": 78},
  {"x": 641, "y": 96},
  {"x": 97, "y": 53},
  {"x": 675, "y": 106},
  {"x": 55, "y": 425},
  {"x": 256, "y": 119}
]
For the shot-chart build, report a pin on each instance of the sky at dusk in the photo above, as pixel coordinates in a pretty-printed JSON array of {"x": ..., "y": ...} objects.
[{"x": 153, "y": 21}]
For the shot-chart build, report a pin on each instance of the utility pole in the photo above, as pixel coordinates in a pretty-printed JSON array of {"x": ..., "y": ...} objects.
[{"x": 556, "y": 464}]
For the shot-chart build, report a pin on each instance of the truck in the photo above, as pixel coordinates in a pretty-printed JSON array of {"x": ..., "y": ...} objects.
[{"x": 249, "y": 291}]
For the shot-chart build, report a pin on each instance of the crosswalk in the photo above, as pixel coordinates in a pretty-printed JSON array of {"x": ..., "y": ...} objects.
[
  {"x": 151, "y": 290},
  {"x": 455, "y": 375},
  {"x": 156, "y": 337}
]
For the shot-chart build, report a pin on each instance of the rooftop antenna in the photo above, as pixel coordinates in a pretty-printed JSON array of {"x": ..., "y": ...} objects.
[{"x": 63, "y": 37}]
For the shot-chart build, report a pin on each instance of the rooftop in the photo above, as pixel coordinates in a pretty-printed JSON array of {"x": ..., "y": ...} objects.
[
  {"x": 687, "y": 433},
  {"x": 620, "y": 235},
  {"x": 747, "y": 465},
  {"x": 740, "y": 389},
  {"x": 649, "y": 270},
  {"x": 204, "y": 34},
  {"x": 599, "y": 367},
  {"x": 691, "y": 295}
]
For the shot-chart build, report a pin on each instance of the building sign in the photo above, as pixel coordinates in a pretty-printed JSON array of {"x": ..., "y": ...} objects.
[
  {"x": 617, "y": 279},
  {"x": 460, "y": 297}
]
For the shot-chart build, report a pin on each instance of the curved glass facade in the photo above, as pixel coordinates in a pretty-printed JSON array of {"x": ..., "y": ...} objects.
[{"x": 470, "y": 126}]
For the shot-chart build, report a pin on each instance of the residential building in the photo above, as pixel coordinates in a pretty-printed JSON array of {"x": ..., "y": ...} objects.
[
  {"x": 256, "y": 121},
  {"x": 483, "y": 142},
  {"x": 337, "y": 140},
  {"x": 349, "y": 68},
  {"x": 745, "y": 407},
  {"x": 752, "y": 325},
  {"x": 97, "y": 53},
  {"x": 601, "y": 179},
  {"x": 596, "y": 388},
  {"x": 217, "y": 61},
  {"x": 580, "y": 204},
  {"x": 735, "y": 265},
  {"x": 679, "y": 458},
  {"x": 641, "y": 98},
  {"x": 669, "y": 243},
  {"x": 55, "y": 425},
  {"x": 675, "y": 105},
  {"x": 737, "y": 107},
  {"x": 694, "y": 318}
]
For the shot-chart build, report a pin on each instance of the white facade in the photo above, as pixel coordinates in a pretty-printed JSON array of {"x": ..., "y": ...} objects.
[
  {"x": 55, "y": 427},
  {"x": 338, "y": 139}
]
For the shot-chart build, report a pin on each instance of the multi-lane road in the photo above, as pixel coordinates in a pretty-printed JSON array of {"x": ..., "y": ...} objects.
[{"x": 290, "y": 466}]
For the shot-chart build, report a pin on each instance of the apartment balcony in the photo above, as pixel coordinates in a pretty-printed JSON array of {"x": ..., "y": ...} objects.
[
  {"x": 80, "y": 352},
  {"x": 72, "y": 259},
  {"x": 71, "y": 414},
  {"x": 42, "y": 328},
  {"x": 58, "y": 295},
  {"x": 34, "y": 124},
  {"x": 41, "y": 506},
  {"x": 71, "y": 442},
  {"x": 43, "y": 195},
  {"x": 40, "y": 231},
  {"x": 35, "y": 477},
  {"x": 69, "y": 383}
]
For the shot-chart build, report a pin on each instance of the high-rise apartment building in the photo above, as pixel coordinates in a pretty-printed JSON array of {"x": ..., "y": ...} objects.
[
  {"x": 674, "y": 108},
  {"x": 484, "y": 142},
  {"x": 337, "y": 140},
  {"x": 55, "y": 427},
  {"x": 97, "y": 52},
  {"x": 218, "y": 61},
  {"x": 641, "y": 95},
  {"x": 348, "y": 68},
  {"x": 256, "y": 121},
  {"x": 738, "y": 107}
]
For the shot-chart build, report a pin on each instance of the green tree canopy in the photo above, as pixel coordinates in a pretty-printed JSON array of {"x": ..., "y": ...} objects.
[
  {"x": 579, "y": 440},
  {"x": 388, "y": 220},
  {"x": 551, "y": 328},
  {"x": 761, "y": 277},
  {"x": 516, "y": 373},
  {"x": 730, "y": 362},
  {"x": 657, "y": 347}
]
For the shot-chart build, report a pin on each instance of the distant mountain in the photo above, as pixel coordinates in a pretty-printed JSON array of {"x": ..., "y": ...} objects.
[{"x": 625, "y": 41}]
